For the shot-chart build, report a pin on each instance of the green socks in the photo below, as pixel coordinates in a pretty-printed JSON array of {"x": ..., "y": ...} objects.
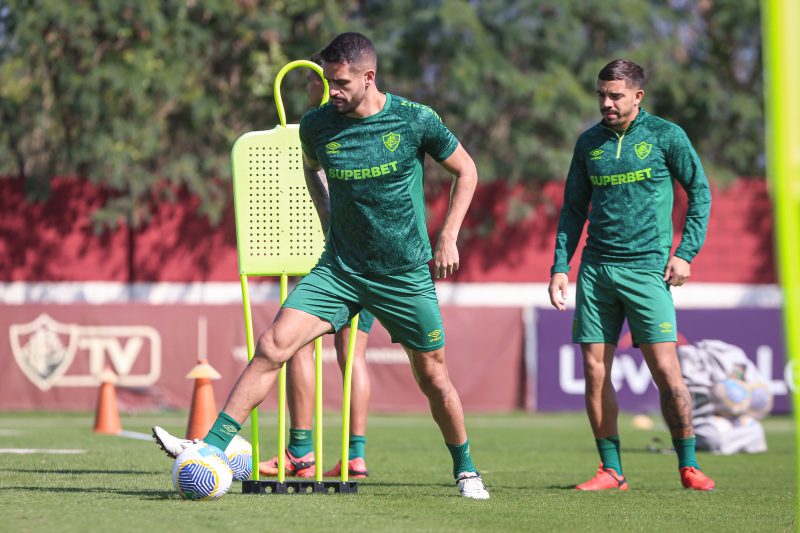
[
  {"x": 222, "y": 432},
  {"x": 609, "y": 453},
  {"x": 462, "y": 460},
  {"x": 300, "y": 442},
  {"x": 610, "y": 456},
  {"x": 685, "y": 449},
  {"x": 357, "y": 445}
]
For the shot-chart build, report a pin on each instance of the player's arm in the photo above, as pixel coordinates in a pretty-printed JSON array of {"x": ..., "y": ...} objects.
[
  {"x": 317, "y": 190},
  {"x": 461, "y": 165},
  {"x": 577, "y": 195},
  {"x": 684, "y": 164}
]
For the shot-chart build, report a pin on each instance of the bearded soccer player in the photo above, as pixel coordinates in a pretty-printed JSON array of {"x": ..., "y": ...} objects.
[
  {"x": 624, "y": 167},
  {"x": 372, "y": 147},
  {"x": 300, "y": 460}
]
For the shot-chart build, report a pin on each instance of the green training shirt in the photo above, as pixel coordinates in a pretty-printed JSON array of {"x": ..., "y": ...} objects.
[
  {"x": 374, "y": 167},
  {"x": 627, "y": 179}
]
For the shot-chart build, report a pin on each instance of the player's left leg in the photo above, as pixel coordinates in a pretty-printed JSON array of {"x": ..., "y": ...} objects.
[
  {"x": 651, "y": 316},
  {"x": 430, "y": 372},
  {"x": 676, "y": 407},
  {"x": 407, "y": 306}
]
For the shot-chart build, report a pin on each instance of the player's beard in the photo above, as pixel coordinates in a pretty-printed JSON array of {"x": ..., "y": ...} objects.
[
  {"x": 349, "y": 107},
  {"x": 615, "y": 118}
]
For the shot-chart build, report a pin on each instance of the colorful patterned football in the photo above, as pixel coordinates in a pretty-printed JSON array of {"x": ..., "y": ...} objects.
[
  {"x": 202, "y": 472},
  {"x": 240, "y": 457}
]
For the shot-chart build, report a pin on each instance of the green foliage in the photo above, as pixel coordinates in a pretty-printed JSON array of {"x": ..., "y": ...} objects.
[{"x": 134, "y": 94}]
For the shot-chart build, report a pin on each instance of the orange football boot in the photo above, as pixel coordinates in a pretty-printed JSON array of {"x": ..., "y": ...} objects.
[
  {"x": 694, "y": 478},
  {"x": 604, "y": 479},
  {"x": 357, "y": 468},
  {"x": 295, "y": 466}
]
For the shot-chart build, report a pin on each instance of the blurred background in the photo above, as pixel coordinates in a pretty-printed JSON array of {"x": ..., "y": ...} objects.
[{"x": 117, "y": 237}]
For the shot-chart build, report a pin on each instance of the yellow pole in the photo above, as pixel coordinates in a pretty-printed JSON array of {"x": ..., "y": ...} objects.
[
  {"x": 282, "y": 400},
  {"x": 318, "y": 408},
  {"x": 248, "y": 327},
  {"x": 781, "y": 38},
  {"x": 347, "y": 381}
]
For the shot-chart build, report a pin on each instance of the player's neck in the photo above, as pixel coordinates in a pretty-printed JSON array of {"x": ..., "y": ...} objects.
[{"x": 373, "y": 103}]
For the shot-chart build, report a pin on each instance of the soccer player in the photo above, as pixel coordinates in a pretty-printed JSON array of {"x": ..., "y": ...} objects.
[
  {"x": 300, "y": 461},
  {"x": 624, "y": 167},
  {"x": 372, "y": 147}
]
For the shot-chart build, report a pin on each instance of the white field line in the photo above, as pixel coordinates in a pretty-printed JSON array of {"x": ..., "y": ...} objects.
[
  {"x": 51, "y": 451},
  {"x": 135, "y": 435}
]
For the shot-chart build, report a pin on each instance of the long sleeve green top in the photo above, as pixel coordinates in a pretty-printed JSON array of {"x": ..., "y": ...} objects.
[{"x": 627, "y": 180}]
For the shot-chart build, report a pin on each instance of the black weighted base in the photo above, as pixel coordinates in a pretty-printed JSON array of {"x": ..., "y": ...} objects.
[{"x": 271, "y": 486}]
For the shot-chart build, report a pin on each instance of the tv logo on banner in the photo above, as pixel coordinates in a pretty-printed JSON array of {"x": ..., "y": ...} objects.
[{"x": 46, "y": 349}]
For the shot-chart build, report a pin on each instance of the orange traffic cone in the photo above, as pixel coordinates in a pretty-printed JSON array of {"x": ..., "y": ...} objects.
[
  {"x": 106, "y": 419},
  {"x": 203, "y": 412}
]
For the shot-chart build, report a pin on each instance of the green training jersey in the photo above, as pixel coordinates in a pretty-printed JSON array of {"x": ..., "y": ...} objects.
[
  {"x": 374, "y": 167},
  {"x": 627, "y": 178}
]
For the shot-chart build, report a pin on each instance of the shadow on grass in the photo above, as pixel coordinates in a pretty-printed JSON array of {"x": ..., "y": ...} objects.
[
  {"x": 144, "y": 494},
  {"x": 395, "y": 484}
]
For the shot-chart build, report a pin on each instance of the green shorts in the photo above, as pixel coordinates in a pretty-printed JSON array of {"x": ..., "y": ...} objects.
[
  {"x": 404, "y": 303},
  {"x": 608, "y": 294},
  {"x": 365, "y": 321}
]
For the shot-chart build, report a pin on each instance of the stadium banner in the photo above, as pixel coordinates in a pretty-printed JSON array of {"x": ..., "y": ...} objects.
[
  {"x": 51, "y": 355},
  {"x": 558, "y": 375}
]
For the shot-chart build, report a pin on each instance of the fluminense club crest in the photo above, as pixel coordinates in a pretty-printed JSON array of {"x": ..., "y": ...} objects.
[
  {"x": 391, "y": 141},
  {"x": 642, "y": 149},
  {"x": 44, "y": 349}
]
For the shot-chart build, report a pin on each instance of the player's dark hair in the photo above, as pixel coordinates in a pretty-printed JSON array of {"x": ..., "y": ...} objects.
[
  {"x": 350, "y": 48},
  {"x": 316, "y": 58},
  {"x": 622, "y": 69}
]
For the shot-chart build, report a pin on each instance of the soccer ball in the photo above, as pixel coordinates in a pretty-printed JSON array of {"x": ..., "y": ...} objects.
[
  {"x": 202, "y": 472},
  {"x": 731, "y": 397},
  {"x": 760, "y": 400},
  {"x": 240, "y": 458}
]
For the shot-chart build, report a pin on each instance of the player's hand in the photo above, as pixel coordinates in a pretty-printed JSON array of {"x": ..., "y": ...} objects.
[
  {"x": 558, "y": 291},
  {"x": 677, "y": 272},
  {"x": 445, "y": 258}
]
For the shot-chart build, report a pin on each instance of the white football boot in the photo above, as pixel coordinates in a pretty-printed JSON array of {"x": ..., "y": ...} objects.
[
  {"x": 470, "y": 485},
  {"x": 172, "y": 445}
]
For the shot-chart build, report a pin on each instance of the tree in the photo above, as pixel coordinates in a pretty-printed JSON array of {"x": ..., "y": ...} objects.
[{"x": 148, "y": 96}]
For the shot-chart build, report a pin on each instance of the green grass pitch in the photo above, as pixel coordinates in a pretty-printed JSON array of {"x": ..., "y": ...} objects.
[{"x": 530, "y": 464}]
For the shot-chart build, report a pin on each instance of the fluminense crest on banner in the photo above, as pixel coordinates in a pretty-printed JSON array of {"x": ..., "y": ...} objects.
[{"x": 44, "y": 349}]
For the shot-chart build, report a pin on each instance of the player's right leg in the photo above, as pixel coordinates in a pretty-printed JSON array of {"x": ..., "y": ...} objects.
[
  {"x": 596, "y": 326},
  {"x": 300, "y": 400},
  {"x": 603, "y": 410},
  {"x": 291, "y": 330}
]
